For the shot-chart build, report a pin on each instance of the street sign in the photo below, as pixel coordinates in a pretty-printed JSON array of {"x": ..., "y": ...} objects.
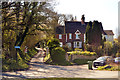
[{"x": 17, "y": 46}]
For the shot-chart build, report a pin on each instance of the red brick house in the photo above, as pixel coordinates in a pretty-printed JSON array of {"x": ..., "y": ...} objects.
[{"x": 73, "y": 33}]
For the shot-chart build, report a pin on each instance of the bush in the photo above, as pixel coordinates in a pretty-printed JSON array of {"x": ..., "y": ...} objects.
[
  {"x": 87, "y": 53},
  {"x": 108, "y": 67},
  {"x": 53, "y": 43},
  {"x": 118, "y": 54},
  {"x": 5, "y": 67},
  {"x": 58, "y": 54},
  {"x": 11, "y": 64},
  {"x": 66, "y": 48},
  {"x": 81, "y": 61},
  {"x": 77, "y": 49}
]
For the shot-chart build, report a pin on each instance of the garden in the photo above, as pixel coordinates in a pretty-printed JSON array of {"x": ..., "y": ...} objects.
[{"x": 80, "y": 52}]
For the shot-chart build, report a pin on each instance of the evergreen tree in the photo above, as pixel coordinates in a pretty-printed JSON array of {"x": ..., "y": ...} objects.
[
  {"x": 88, "y": 32},
  {"x": 94, "y": 33}
]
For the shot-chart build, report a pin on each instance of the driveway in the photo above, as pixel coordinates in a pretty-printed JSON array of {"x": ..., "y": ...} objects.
[{"x": 40, "y": 70}]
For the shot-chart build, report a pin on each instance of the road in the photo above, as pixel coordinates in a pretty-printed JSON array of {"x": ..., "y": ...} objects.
[{"x": 40, "y": 70}]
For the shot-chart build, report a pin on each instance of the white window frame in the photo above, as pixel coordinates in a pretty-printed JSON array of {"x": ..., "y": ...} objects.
[
  {"x": 77, "y": 36},
  {"x": 84, "y": 38},
  {"x": 69, "y": 45},
  {"x": 61, "y": 44},
  {"x": 70, "y": 36},
  {"x": 77, "y": 44},
  {"x": 60, "y": 36}
]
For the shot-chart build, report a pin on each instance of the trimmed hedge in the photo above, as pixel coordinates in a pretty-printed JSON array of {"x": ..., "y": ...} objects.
[
  {"x": 81, "y": 61},
  {"x": 58, "y": 57},
  {"x": 87, "y": 53},
  {"x": 58, "y": 54}
]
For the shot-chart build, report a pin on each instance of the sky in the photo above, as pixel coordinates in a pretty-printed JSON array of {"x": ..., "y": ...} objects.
[{"x": 105, "y": 11}]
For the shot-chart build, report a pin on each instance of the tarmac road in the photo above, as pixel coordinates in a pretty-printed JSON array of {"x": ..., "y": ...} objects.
[{"x": 40, "y": 70}]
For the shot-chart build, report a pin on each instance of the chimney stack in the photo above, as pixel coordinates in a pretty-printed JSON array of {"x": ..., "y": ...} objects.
[{"x": 83, "y": 19}]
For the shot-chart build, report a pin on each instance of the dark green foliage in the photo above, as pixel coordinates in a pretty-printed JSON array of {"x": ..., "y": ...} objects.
[
  {"x": 102, "y": 42},
  {"x": 58, "y": 57},
  {"x": 82, "y": 61},
  {"x": 22, "y": 61},
  {"x": 66, "y": 48},
  {"x": 53, "y": 44},
  {"x": 116, "y": 48},
  {"x": 117, "y": 54},
  {"x": 58, "y": 54},
  {"x": 88, "y": 32},
  {"x": 11, "y": 64},
  {"x": 42, "y": 43},
  {"x": 94, "y": 33},
  {"x": 32, "y": 52}
]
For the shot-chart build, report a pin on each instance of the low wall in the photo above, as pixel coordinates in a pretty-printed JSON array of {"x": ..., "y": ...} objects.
[{"x": 77, "y": 56}]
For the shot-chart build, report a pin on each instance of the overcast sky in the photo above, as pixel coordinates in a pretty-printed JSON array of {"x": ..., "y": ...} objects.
[{"x": 105, "y": 11}]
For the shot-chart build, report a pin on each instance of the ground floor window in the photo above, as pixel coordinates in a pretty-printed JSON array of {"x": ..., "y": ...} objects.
[
  {"x": 61, "y": 44},
  {"x": 78, "y": 44},
  {"x": 69, "y": 45}
]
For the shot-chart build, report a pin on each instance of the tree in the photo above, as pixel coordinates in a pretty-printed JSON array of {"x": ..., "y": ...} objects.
[
  {"x": 21, "y": 20},
  {"x": 88, "y": 33},
  {"x": 108, "y": 46},
  {"x": 65, "y": 17},
  {"x": 94, "y": 33}
]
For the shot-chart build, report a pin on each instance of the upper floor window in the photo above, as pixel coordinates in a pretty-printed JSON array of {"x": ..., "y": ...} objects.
[
  {"x": 70, "y": 36},
  {"x": 77, "y": 36},
  {"x": 60, "y": 36}
]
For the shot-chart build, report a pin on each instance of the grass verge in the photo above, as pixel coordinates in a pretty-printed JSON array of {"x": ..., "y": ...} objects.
[{"x": 82, "y": 61}]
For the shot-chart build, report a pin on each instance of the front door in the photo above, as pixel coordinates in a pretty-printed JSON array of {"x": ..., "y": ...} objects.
[{"x": 77, "y": 44}]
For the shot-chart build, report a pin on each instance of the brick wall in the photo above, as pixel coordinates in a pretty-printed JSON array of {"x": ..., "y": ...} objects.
[{"x": 70, "y": 40}]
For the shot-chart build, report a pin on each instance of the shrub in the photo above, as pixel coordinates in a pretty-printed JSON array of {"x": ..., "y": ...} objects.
[
  {"x": 87, "y": 53},
  {"x": 53, "y": 43},
  {"x": 32, "y": 52},
  {"x": 117, "y": 54},
  {"x": 66, "y": 48},
  {"x": 77, "y": 49},
  {"x": 58, "y": 54},
  {"x": 5, "y": 67},
  {"x": 108, "y": 67},
  {"x": 82, "y": 61}
]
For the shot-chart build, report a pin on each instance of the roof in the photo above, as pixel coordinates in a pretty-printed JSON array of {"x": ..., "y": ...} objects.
[
  {"x": 73, "y": 26},
  {"x": 108, "y": 32},
  {"x": 60, "y": 29}
]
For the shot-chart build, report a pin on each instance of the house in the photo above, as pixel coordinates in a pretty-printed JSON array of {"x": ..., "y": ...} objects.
[
  {"x": 73, "y": 33},
  {"x": 109, "y": 35}
]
